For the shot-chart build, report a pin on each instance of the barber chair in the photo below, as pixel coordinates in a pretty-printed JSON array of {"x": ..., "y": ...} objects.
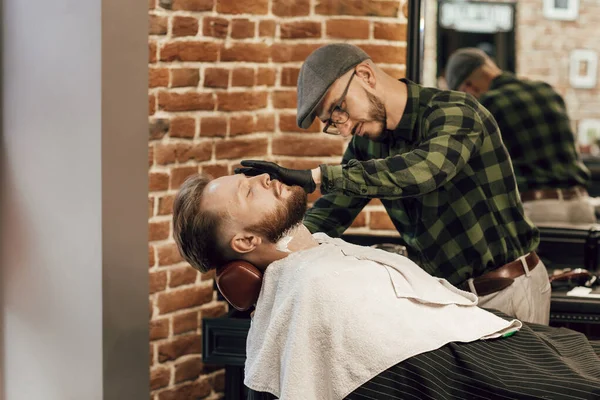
[
  {"x": 224, "y": 339},
  {"x": 239, "y": 283}
]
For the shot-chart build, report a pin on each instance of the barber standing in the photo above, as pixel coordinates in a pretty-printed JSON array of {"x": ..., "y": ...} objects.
[
  {"x": 436, "y": 161},
  {"x": 537, "y": 133}
]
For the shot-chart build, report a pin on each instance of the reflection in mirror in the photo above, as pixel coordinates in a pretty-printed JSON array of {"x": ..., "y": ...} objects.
[
  {"x": 556, "y": 43},
  {"x": 551, "y": 41},
  {"x": 486, "y": 26}
]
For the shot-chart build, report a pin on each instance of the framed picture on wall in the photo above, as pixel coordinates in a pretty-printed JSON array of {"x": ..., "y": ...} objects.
[
  {"x": 583, "y": 68},
  {"x": 565, "y": 10},
  {"x": 588, "y": 135}
]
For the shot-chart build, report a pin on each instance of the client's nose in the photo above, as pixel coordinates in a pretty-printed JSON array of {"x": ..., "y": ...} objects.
[{"x": 263, "y": 179}]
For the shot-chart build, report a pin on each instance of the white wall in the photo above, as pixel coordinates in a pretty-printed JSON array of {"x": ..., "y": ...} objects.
[{"x": 73, "y": 152}]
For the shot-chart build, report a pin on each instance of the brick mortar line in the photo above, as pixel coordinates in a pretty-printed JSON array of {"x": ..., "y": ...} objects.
[
  {"x": 170, "y": 267},
  {"x": 311, "y": 17},
  {"x": 162, "y": 192},
  {"x": 232, "y": 161},
  {"x": 242, "y": 64},
  {"x": 168, "y": 289},
  {"x": 175, "y": 386},
  {"x": 161, "y": 114},
  {"x": 162, "y": 242},
  {"x": 229, "y": 42},
  {"x": 190, "y": 89},
  {"x": 160, "y": 218},
  {"x": 178, "y": 140},
  {"x": 176, "y": 313}
]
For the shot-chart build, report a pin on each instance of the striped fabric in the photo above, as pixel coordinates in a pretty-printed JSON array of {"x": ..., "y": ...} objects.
[
  {"x": 538, "y": 362},
  {"x": 446, "y": 181},
  {"x": 537, "y": 132}
]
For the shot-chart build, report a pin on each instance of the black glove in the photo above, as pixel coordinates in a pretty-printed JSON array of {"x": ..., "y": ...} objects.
[{"x": 298, "y": 177}]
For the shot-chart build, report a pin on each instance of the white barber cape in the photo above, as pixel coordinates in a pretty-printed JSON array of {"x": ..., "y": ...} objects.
[{"x": 330, "y": 318}]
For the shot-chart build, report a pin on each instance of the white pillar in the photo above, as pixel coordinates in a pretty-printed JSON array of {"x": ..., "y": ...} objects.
[{"x": 73, "y": 211}]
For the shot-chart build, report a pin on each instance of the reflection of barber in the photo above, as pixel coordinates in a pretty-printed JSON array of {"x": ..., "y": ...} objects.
[
  {"x": 537, "y": 133},
  {"x": 436, "y": 160}
]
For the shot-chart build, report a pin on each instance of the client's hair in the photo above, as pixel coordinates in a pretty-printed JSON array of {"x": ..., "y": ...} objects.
[{"x": 196, "y": 230}]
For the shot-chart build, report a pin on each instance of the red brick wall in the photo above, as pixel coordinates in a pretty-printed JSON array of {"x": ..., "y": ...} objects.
[{"x": 222, "y": 88}]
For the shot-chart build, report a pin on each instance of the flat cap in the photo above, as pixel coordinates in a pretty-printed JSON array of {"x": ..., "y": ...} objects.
[
  {"x": 461, "y": 64},
  {"x": 323, "y": 67}
]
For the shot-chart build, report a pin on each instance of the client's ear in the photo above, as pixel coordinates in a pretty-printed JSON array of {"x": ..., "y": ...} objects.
[{"x": 245, "y": 242}]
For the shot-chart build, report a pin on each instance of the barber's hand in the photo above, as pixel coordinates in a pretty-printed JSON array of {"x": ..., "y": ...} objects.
[{"x": 298, "y": 177}]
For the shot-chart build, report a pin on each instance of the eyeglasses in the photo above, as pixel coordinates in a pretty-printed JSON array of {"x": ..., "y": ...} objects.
[{"x": 338, "y": 115}]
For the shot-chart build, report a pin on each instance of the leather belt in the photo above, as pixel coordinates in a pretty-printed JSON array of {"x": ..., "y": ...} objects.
[
  {"x": 503, "y": 277},
  {"x": 544, "y": 194}
]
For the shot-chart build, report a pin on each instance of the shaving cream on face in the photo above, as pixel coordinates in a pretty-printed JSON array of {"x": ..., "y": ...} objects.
[
  {"x": 282, "y": 244},
  {"x": 288, "y": 236}
]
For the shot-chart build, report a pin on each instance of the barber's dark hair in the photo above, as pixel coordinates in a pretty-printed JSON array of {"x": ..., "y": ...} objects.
[{"x": 196, "y": 230}]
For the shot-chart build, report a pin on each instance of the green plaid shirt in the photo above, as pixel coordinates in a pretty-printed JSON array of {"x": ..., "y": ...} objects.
[
  {"x": 445, "y": 179},
  {"x": 537, "y": 133}
]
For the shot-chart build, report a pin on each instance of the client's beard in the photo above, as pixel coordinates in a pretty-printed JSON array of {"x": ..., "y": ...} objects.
[
  {"x": 377, "y": 114},
  {"x": 285, "y": 217}
]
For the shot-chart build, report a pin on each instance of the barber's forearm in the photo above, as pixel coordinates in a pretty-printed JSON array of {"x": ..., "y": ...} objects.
[{"x": 351, "y": 179}]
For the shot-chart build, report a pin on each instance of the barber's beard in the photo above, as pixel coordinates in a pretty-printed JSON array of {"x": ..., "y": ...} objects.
[
  {"x": 377, "y": 114},
  {"x": 284, "y": 217}
]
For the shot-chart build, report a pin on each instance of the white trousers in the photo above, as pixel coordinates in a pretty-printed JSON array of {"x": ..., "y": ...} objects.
[
  {"x": 527, "y": 299},
  {"x": 578, "y": 212}
]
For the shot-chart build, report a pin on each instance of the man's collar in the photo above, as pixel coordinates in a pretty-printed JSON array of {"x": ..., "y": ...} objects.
[
  {"x": 405, "y": 128},
  {"x": 502, "y": 79}
]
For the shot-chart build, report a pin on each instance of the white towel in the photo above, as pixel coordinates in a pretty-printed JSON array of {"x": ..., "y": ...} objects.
[{"x": 330, "y": 318}]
